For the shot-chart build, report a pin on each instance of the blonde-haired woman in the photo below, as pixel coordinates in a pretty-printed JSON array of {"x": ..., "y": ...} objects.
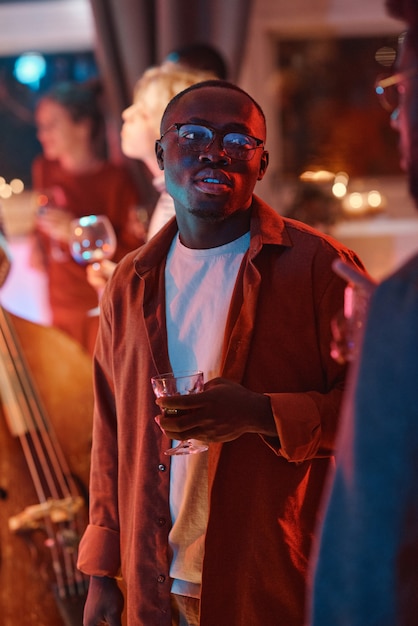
[{"x": 141, "y": 127}]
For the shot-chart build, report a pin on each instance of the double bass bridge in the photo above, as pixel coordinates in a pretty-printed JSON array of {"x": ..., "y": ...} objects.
[{"x": 58, "y": 511}]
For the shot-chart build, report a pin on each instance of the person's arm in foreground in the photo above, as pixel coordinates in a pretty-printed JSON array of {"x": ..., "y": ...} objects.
[{"x": 369, "y": 536}]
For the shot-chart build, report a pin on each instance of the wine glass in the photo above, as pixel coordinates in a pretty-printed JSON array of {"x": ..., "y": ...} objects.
[
  {"x": 92, "y": 239},
  {"x": 183, "y": 384},
  {"x": 347, "y": 326}
]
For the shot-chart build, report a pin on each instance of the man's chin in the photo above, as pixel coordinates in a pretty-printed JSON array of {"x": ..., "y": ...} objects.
[{"x": 209, "y": 214}]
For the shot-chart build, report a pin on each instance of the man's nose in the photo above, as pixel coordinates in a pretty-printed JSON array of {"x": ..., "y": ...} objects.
[{"x": 215, "y": 152}]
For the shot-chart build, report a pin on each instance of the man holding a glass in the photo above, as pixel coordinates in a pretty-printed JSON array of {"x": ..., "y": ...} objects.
[{"x": 230, "y": 288}]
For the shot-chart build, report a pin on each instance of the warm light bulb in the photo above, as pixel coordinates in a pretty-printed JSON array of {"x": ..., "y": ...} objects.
[
  {"x": 17, "y": 185},
  {"x": 374, "y": 199},
  {"x": 339, "y": 190},
  {"x": 5, "y": 191},
  {"x": 356, "y": 200}
]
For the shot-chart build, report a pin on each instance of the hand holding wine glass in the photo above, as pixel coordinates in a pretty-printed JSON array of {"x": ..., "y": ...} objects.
[
  {"x": 98, "y": 274},
  {"x": 184, "y": 384}
]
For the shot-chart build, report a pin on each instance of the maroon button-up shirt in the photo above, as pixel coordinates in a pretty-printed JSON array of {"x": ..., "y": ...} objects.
[{"x": 264, "y": 492}]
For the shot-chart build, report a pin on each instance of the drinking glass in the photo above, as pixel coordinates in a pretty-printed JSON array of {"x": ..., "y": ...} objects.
[
  {"x": 183, "y": 384},
  {"x": 347, "y": 326},
  {"x": 92, "y": 239}
]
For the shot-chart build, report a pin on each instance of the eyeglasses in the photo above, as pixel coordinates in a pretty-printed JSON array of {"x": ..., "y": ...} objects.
[
  {"x": 198, "y": 138},
  {"x": 389, "y": 89}
]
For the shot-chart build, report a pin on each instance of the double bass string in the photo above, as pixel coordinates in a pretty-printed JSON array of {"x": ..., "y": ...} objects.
[
  {"x": 33, "y": 420},
  {"x": 52, "y": 479}
]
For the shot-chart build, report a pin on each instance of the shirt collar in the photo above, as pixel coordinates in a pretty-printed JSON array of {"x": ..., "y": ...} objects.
[{"x": 267, "y": 227}]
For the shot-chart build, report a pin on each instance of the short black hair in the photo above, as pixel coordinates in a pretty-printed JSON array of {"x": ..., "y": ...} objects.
[
  {"x": 201, "y": 56},
  {"x": 210, "y": 83},
  {"x": 406, "y": 10}
]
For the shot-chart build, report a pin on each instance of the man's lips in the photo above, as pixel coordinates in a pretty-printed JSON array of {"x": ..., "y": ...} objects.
[{"x": 213, "y": 183}]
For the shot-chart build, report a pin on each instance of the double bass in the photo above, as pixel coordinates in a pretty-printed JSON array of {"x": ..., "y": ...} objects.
[{"x": 45, "y": 439}]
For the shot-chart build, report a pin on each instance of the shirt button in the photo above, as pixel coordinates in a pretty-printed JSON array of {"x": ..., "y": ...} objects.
[
  {"x": 161, "y": 578},
  {"x": 161, "y": 521},
  {"x": 162, "y": 467}
]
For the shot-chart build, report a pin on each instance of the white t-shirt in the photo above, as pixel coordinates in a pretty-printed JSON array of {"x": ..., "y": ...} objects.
[{"x": 199, "y": 286}]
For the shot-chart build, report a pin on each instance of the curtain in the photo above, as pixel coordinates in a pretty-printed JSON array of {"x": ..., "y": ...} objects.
[{"x": 132, "y": 35}]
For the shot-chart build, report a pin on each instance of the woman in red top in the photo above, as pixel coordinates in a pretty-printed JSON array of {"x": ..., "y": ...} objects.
[{"x": 75, "y": 176}]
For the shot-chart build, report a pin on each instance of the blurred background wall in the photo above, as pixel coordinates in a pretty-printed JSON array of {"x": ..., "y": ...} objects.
[
  {"x": 311, "y": 64},
  {"x": 120, "y": 38}
]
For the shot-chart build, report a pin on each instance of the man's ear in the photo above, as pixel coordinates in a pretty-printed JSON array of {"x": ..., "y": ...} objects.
[
  {"x": 159, "y": 153},
  {"x": 264, "y": 161}
]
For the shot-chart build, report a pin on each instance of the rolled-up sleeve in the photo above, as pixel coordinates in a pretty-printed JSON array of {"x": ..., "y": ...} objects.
[
  {"x": 99, "y": 553},
  {"x": 298, "y": 424}
]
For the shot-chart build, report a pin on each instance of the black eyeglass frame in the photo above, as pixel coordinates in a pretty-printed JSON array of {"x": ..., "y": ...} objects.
[{"x": 250, "y": 151}]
